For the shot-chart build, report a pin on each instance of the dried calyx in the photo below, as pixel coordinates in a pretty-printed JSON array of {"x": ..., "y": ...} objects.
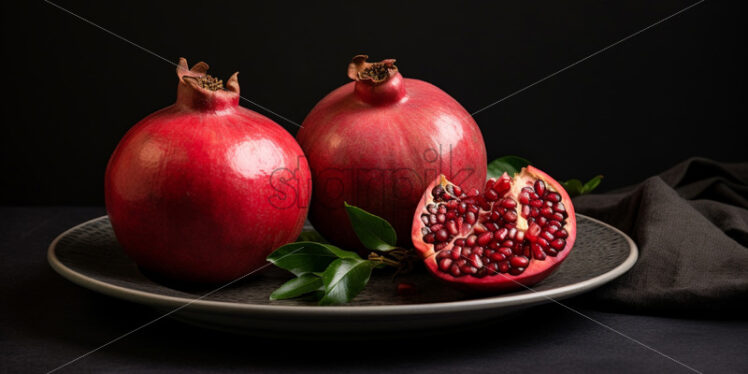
[
  {"x": 208, "y": 82},
  {"x": 376, "y": 72}
]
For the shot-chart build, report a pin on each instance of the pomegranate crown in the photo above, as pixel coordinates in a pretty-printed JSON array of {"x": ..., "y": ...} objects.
[
  {"x": 376, "y": 72},
  {"x": 198, "y": 78}
]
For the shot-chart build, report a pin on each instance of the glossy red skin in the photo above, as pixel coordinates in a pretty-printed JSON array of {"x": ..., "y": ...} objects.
[
  {"x": 535, "y": 272},
  {"x": 361, "y": 135},
  {"x": 191, "y": 194}
]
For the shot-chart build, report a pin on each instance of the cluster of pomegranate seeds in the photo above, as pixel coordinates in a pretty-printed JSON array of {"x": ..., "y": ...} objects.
[{"x": 498, "y": 231}]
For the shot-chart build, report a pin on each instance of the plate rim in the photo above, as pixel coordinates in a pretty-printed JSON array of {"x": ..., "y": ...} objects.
[{"x": 154, "y": 299}]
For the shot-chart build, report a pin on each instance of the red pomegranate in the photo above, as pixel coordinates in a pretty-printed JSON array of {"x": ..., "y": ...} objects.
[
  {"x": 378, "y": 141},
  {"x": 204, "y": 190},
  {"x": 513, "y": 234}
]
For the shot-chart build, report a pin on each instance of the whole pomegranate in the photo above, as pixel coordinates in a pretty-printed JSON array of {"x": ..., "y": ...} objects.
[
  {"x": 378, "y": 141},
  {"x": 512, "y": 234},
  {"x": 204, "y": 190}
]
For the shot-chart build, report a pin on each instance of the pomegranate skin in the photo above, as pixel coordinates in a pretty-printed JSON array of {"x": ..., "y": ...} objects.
[
  {"x": 203, "y": 190},
  {"x": 377, "y": 144}
]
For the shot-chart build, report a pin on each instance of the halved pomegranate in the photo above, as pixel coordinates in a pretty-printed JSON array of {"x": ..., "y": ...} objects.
[{"x": 514, "y": 233}]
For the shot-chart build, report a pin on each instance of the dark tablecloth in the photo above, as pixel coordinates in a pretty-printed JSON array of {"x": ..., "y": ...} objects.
[{"x": 46, "y": 321}]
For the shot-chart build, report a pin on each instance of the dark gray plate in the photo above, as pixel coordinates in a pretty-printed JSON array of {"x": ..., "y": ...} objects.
[{"x": 89, "y": 255}]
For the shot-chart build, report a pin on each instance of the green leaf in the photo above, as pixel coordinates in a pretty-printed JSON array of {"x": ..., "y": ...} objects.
[
  {"x": 374, "y": 232},
  {"x": 509, "y": 164},
  {"x": 344, "y": 279},
  {"x": 573, "y": 187},
  {"x": 307, "y": 257},
  {"x": 311, "y": 236},
  {"x": 591, "y": 184},
  {"x": 296, "y": 287}
]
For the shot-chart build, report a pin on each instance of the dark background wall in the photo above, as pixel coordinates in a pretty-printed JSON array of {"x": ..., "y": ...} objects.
[{"x": 675, "y": 91}]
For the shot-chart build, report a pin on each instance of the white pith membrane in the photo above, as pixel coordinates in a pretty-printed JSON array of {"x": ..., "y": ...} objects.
[{"x": 512, "y": 223}]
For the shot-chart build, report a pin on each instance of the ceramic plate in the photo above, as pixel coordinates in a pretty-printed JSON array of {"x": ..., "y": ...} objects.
[{"x": 89, "y": 255}]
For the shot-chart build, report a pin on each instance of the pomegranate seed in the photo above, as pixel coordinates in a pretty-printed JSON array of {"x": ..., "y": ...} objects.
[
  {"x": 489, "y": 183},
  {"x": 533, "y": 231},
  {"x": 543, "y": 243},
  {"x": 452, "y": 204},
  {"x": 510, "y": 216},
  {"x": 473, "y": 192},
  {"x": 470, "y": 218},
  {"x": 479, "y": 229},
  {"x": 509, "y": 203},
  {"x": 476, "y": 261},
  {"x": 542, "y": 221},
  {"x": 503, "y": 185},
  {"x": 484, "y": 238},
  {"x": 442, "y": 235},
  {"x": 431, "y": 208},
  {"x": 501, "y": 233},
  {"x": 432, "y": 219},
  {"x": 520, "y": 236},
  {"x": 437, "y": 191},
  {"x": 495, "y": 216},
  {"x": 466, "y": 251},
  {"x": 516, "y": 271},
  {"x": 460, "y": 243},
  {"x": 552, "y": 228},
  {"x": 470, "y": 241},
  {"x": 451, "y": 215},
  {"x": 562, "y": 234},
  {"x": 462, "y": 208},
  {"x": 429, "y": 238},
  {"x": 551, "y": 252},
  {"x": 452, "y": 227},
  {"x": 513, "y": 232},
  {"x": 537, "y": 203},
  {"x": 554, "y": 196},
  {"x": 473, "y": 209},
  {"x": 456, "y": 253},
  {"x": 559, "y": 207},
  {"x": 525, "y": 211},
  {"x": 445, "y": 263},
  {"x": 492, "y": 226},
  {"x": 558, "y": 244},
  {"x": 440, "y": 246},
  {"x": 507, "y": 243},
  {"x": 497, "y": 257},
  {"x": 491, "y": 195},
  {"x": 558, "y": 216},
  {"x": 441, "y": 218},
  {"x": 494, "y": 245},
  {"x": 436, "y": 227},
  {"x": 457, "y": 190},
  {"x": 506, "y": 251},
  {"x": 455, "y": 270},
  {"x": 524, "y": 197},
  {"x": 534, "y": 212},
  {"x": 477, "y": 251},
  {"x": 442, "y": 209},
  {"x": 540, "y": 187},
  {"x": 547, "y": 235},
  {"x": 425, "y": 219},
  {"x": 537, "y": 252},
  {"x": 546, "y": 211},
  {"x": 444, "y": 253},
  {"x": 425, "y": 230},
  {"x": 504, "y": 266}
]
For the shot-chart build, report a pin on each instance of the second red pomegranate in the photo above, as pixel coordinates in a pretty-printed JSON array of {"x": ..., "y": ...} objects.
[{"x": 378, "y": 142}]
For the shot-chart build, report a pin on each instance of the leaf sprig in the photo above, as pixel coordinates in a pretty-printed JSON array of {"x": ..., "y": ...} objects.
[{"x": 331, "y": 275}]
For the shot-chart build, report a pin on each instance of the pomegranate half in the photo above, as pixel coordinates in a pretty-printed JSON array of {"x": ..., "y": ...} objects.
[
  {"x": 378, "y": 141},
  {"x": 204, "y": 190},
  {"x": 513, "y": 234}
]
